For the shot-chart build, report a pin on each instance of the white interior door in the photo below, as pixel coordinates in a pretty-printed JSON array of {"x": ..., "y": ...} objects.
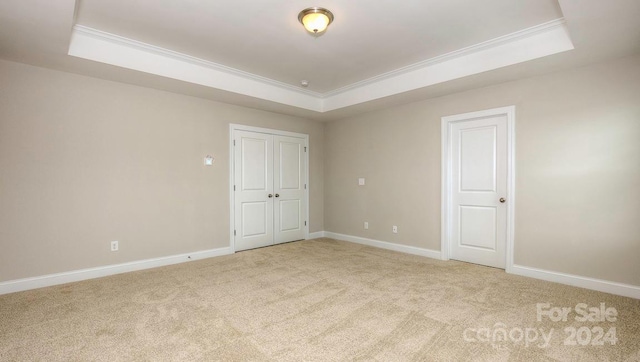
[
  {"x": 289, "y": 187},
  {"x": 478, "y": 187},
  {"x": 269, "y": 189},
  {"x": 253, "y": 196}
]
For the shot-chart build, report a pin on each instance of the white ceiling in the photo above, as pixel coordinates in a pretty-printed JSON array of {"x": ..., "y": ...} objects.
[
  {"x": 265, "y": 38},
  {"x": 375, "y": 54}
]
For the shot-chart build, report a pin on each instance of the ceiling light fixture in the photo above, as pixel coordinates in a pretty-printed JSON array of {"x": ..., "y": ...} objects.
[{"x": 315, "y": 19}]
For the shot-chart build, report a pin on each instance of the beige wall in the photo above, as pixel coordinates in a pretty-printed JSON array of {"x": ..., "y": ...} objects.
[
  {"x": 85, "y": 161},
  {"x": 577, "y": 173}
]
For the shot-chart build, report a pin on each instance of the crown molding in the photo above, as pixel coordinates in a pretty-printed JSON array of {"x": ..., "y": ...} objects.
[
  {"x": 535, "y": 42},
  {"x": 525, "y": 45},
  {"x": 117, "y": 39},
  {"x": 103, "y": 47},
  {"x": 518, "y": 35}
]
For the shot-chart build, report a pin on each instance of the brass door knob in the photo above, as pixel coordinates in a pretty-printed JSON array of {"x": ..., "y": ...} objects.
[{"x": 502, "y": 200}]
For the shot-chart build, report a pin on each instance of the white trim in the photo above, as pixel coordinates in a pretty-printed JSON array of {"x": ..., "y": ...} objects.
[
  {"x": 434, "y": 254},
  {"x": 116, "y": 50},
  {"x": 445, "y": 176},
  {"x": 18, "y": 285},
  {"x": 511, "y": 186},
  {"x": 316, "y": 235},
  {"x": 445, "y": 226},
  {"x": 277, "y": 132},
  {"x": 232, "y": 215},
  {"x": 535, "y": 42},
  {"x": 540, "y": 43},
  {"x": 600, "y": 285},
  {"x": 522, "y": 34},
  {"x": 103, "y": 271},
  {"x": 116, "y": 39},
  {"x": 239, "y": 127}
]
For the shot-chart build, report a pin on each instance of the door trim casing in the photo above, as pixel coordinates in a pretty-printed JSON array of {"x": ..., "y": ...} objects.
[
  {"x": 239, "y": 127},
  {"x": 446, "y": 168}
]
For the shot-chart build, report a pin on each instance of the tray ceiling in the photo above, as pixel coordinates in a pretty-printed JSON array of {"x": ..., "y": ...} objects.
[{"x": 375, "y": 54}]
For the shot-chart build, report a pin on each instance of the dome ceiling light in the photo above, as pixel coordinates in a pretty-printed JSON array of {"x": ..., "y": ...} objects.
[{"x": 315, "y": 19}]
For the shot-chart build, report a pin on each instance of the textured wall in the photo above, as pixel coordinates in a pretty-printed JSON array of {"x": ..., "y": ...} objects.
[
  {"x": 85, "y": 161},
  {"x": 577, "y": 170}
]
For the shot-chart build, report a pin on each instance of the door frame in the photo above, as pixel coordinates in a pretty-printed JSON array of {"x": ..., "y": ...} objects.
[
  {"x": 446, "y": 164},
  {"x": 240, "y": 127}
]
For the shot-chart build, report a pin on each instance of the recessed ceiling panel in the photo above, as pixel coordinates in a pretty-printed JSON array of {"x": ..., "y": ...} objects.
[{"x": 366, "y": 39}]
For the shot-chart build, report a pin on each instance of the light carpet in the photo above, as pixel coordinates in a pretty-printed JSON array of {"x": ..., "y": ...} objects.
[{"x": 316, "y": 300}]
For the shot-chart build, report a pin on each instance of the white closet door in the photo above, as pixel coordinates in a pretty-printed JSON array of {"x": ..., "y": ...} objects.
[
  {"x": 289, "y": 184},
  {"x": 253, "y": 175}
]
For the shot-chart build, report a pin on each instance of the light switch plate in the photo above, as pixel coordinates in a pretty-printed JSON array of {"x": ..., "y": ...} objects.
[{"x": 208, "y": 161}]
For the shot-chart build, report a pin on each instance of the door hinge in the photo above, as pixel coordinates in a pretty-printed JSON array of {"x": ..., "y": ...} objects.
[
  {"x": 305, "y": 149},
  {"x": 234, "y": 142},
  {"x": 234, "y": 187},
  {"x": 234, "y": 233},
  {"x": 305, "y": 186},
  {"x": 305, "y": 223}
]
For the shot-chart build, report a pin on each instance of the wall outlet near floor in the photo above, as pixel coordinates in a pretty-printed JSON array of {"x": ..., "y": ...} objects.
[
  {"x": 394, "y": 229},
  {"x": 366, "y": 225},
  {"x": 114, "y": 245}
]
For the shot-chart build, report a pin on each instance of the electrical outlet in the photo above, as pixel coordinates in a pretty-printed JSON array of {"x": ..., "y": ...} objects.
[
  {"x": 394, "y": 229},
  {"x": 114, "y": 245},
  {"x": 366, "y": 225}
]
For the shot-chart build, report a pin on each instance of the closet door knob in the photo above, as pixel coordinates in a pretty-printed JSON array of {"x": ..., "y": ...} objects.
[
  {"x": 277, "y": 195},
  {"x": 502, "y": 200},
  {"x": 270, "y": 196}
]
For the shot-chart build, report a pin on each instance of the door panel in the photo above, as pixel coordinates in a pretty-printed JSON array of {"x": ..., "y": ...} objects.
[
  {"x": 289, "y": 206},
  {"x": 255, "y": 219},
  {"x": 290, "y": 165},
  {"x": 477, "y": 149},
  {"x": 478, "y": 227},
  {"x": 289, "y": 215},
  {"x": 479, "y": 180},
  {"x": 254, "y": 163},
  {"x": 253, "y": 174}
]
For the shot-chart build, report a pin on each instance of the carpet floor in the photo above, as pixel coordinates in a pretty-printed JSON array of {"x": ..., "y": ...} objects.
[{"x": 318, "y": 300}]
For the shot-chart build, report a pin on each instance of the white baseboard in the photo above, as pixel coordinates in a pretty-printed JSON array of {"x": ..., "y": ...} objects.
[
  {"x": 385, "y": 245},
  {"x": 18, "y": 285},
  {"x": 606, "y": 286},
  {"x": 103, "y": 271},
  {"x": 316, "y": 235},
  {"x": 625, "y": 290}
]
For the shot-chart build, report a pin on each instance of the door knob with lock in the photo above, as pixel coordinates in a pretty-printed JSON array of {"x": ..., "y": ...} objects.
[{"x": 502, "y": 200}]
